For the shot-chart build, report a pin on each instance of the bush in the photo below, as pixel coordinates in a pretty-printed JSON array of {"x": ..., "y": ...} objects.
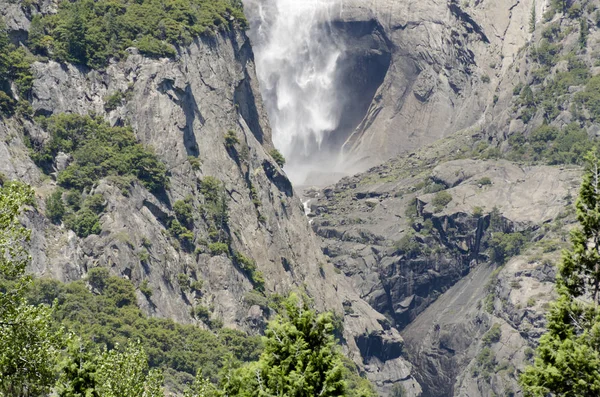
[
  {"x": 492, "y": 336},
  {"x": 113, "y": 101},
  {"x": 55, "y": 209},
  {"x": 109, "y": 316},
  {"x": 146, "y": 289},
  {"x": 505, "y": 245},
  {"x": 95, "y": 203},
  {"x": 484, "y": 181},
  {"x": 218, "y": 248},
  {"x": 182, "y": 233},
  {"x": 278, "y": 157},
  {"x": 408, "y": 245},
  {"x": 184, "y": 211},
  {"x": 231, "y": 139},
  {"x": 441, "y": 200},
  {"x": 249, "y": 267},
  {"x": 84, "y": 223}
]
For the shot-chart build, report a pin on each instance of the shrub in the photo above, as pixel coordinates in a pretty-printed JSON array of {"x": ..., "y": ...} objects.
[
  {"x": 84, "y": 223},
  {"x": 218, "y": 248},
  {"x": 477, "y": 212},
  {"x": 484, "y": 181},
  {"x": 249, "y": 267},
  {"x": 182, "y": 233},
  {"x": 278, "y": 157},
  {"x": 55, "y": 209},
  {"x": 408, "y": 245},
  {"x": 194, "y": 162},
  {"x": 184, "y": 281},
  {"x": 73, "y": 199},
  {"x": 94, "y": 203},
  {"x": 505, "y": 245},
  {"x": 492, "y": 336},
  {"x": 184, "y": 211},
  {"x": 231, "y": 139},
  {"x": 113, "y": 101},
  {"x": 441, "y": 200},
  {"x": 146, "y": 289},
  {"x": 485, "y": 79}
]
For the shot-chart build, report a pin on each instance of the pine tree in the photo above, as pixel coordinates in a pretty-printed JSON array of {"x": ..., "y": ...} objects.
[
  {"x": 300, "y": 359},
  {"x": 568, "y": 357},
  {"x": 532, "y": 18}
]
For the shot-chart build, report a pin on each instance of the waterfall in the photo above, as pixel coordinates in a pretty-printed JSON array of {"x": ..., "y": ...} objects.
[{"x": 297, "y": 61}]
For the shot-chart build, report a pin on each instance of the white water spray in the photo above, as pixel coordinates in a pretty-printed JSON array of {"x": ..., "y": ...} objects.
[{"x": 297, "y": 60}]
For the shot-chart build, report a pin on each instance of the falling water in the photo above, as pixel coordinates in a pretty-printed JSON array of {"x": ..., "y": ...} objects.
[{"x": 296, "y": 60}]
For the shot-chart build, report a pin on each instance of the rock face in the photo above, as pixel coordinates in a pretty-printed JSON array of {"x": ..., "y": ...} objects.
[
  {"x": 440, "y": 64},
  {"x": 183, "y": 108},
  {"x": 427, "y": 267}
]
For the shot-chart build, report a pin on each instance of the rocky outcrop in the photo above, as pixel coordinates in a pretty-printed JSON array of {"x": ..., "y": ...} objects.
[
  {"x": 446, "y": 60},
  {"x": 183, "y": 108},
  {"x": 425, "y": 265}
]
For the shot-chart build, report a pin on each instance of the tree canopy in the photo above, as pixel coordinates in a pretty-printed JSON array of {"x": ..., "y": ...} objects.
[{"x": 567, "y": 360}]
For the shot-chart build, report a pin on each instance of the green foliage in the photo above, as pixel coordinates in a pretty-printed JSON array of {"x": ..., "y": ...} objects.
[
  {"x": 249, "y": 267},
  {"x": 29, "y": 341},
  {"x": 584, "y": 31},
  {"x": 55, "y": 209},
  {"x": 182, "y": 233},
  {"x": 109, "y": 317},
  {"x": 550, "y": 145},
  {"x": 215, "y": 208},
  {"x": 218, "y": 249},
  {"x": 231, "y": 139},
  {"x": 503, "y": 246},
  {"x": 408, "y": 245},
  {"x": 146, "y": 289},
  {"x": 84, "y": 223},
  {"x": 532, "y": 18},
  {"x": 184, "y": 211},
  {"x": 194, "y": 162},
  {"x": 485, "y": 364},
  {"x": 278, "y": 157},
  {"x": 492, "y": 336},
  {"x": 485, "y": 181},
  {"x": 114, "y": 100},
  {"x": 15, "y": 66},
  {"x": 88, "y": 371},
  {"x": 441, "y": 200},
  {"x": 98, "y": 150},
  {"x": 300, "y": 358},
  {"x": 91, "y": 32},
  {"x": 568, "y": 355}
]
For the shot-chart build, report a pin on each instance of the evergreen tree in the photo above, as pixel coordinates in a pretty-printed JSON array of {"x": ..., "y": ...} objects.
[
  {"x": 300, "y": 360},
  {"x": 568, "y": 357}
]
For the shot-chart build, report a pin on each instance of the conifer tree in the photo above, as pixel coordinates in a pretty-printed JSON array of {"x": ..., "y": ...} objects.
[
  {"x": 300, "y": 359},
  {"x": 568, "y": 357}
]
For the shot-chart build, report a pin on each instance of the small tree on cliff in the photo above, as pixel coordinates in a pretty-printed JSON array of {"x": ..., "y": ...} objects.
[{"x": 568, "y": 358}]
